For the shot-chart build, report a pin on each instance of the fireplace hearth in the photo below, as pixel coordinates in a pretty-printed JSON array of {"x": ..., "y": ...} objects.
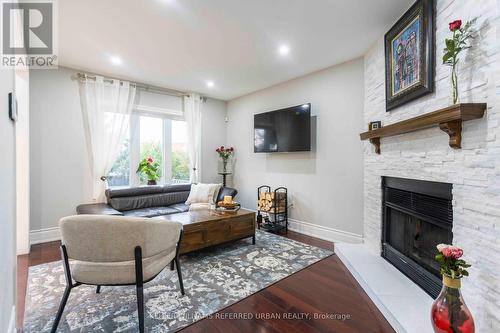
[{"x": 416, "y": 216}]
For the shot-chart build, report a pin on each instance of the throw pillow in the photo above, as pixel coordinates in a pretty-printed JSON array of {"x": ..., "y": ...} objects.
[{"x": 203, "y": 193}]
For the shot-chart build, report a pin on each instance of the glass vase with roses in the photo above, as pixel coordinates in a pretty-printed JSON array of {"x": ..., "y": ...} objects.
[{"x": 449, "y": 313}]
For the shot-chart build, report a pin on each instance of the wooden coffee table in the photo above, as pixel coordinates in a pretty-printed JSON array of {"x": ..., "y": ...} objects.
[{"x": 204, "y": 228}]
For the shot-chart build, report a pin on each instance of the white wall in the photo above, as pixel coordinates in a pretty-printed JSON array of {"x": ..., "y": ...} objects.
[
  {"x": 7, "y": 206},
  {"x": 59, "y": 168},
  {"x": 213, "y": 135},
  {"x": 22, "y": 162},
  {"x": 325, "y": 184},
  {"x": 473, "y": 170},
  {"x": 58, "y": 158}
]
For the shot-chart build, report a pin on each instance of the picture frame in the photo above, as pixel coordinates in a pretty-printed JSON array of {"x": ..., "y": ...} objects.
[
  {"x": 410, "y": 55},
  {"x": 373, "y": 125}
]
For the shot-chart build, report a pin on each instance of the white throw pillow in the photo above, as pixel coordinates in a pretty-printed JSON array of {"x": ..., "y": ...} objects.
[{"x": 203, "y": 193}]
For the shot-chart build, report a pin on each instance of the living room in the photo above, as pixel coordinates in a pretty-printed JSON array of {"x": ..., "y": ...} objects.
[{"x": 231, "y": 166}]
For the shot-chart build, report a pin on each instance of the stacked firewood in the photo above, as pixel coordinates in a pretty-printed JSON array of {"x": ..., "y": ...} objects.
[{"x": 272, "y": 202}]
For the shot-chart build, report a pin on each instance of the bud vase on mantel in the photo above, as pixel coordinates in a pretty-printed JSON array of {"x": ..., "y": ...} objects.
[
  {"x": 454, "y": 85},
  {"x": 449, "y": 313}
]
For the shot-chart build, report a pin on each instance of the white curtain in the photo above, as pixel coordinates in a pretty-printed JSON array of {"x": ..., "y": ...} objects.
[
  {"x": 106, "y": 109},
  {"x": 192, "y": 114}
]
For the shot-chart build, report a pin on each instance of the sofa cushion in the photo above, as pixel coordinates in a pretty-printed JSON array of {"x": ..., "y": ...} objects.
[
  {"x": 177, "y": 188},
  {"x": 133, "y": 191},
  {"x": 98, "y": 208},
  {"x": 145, "y": 190},
  {"x": 180, "y": 207},
  {"x": 151, "y": 211},
  {"x": 144, "y": 201}
]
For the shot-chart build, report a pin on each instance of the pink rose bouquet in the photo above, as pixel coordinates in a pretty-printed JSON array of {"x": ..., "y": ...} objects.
[{"x": 449, "y": 258}]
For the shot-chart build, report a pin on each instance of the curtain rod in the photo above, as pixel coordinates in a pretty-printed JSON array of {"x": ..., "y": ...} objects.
[{"x": 171, "y": 92}]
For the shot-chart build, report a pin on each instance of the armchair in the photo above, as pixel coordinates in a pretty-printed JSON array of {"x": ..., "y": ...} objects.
[{"x": 104, "y": 250}]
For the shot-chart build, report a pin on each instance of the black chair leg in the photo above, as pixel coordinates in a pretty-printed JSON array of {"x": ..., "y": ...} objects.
[
  {"x": 139, "y": 287},
  {"x": 140, "y": 307},
  {"x": 98, "y": 290},
  {"x": 172, "y": 265},
  {"x": 61, "y": 308},
  {"x": 179, "y": 274}
]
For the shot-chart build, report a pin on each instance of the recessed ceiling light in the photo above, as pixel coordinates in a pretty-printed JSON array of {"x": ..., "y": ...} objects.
[
  {"x": 284, "y": 50},
  {"x": 116, "y": 60},
  {"x": 210, "y": 83}
]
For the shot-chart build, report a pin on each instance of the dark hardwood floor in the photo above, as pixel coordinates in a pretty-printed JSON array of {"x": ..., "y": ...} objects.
[{"x": 325, "y": 290}]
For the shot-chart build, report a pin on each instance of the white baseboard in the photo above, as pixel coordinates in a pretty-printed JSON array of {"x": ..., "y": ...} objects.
[
  {"x": 44, "y": 235},
  {"x": 321, "y": 232},
  {"x": 325, "y": 233},
  {"x": 12, "y": 321}
]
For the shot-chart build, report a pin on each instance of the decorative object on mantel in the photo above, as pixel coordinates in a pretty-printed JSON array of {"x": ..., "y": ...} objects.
[
  {"x": 449, "y": 312},
  {"x": 448, "y": 119},
  {"x": 373, "y": 125},
  {"x": 149, "y": 169},
  {"x": 458, "y": 43},
  {"x": 225, "y": 162},
  {"x": 409, "y": 55}
]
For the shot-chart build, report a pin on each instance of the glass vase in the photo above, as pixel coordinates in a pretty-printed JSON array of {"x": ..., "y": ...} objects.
[
  {"x": 454, "y": 85},
  {"x": 449, "y": 313},
  {"x": 225, "y": 165}
]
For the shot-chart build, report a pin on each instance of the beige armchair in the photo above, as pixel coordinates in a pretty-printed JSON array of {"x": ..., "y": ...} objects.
[{"x": 106, "y": 250}]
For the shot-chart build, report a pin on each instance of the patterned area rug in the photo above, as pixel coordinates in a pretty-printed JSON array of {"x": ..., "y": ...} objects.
[{"x": 213, "y": 279}]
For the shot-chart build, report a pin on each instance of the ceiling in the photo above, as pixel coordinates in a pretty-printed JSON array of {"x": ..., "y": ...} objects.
[{"x": 183, "y": 44}]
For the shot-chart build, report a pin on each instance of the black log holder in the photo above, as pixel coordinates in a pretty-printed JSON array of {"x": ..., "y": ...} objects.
[{"x": 274, "y": 220}]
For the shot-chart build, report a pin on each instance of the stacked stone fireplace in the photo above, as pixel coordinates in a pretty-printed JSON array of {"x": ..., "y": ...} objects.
[{"x": 473, "y": 171}]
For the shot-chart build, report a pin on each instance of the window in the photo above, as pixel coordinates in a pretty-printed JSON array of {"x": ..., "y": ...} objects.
[
  {"x": 151, "y": 141},
  {"x": 120, "y": 172},
  {"x": 164, "y": 139},
  {"x": 180, "y": 158}
]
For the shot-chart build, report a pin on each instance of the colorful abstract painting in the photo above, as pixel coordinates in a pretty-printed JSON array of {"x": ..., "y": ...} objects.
[
  {"x": 409, "y": 55},
  {"x": 406, "y": 61}
]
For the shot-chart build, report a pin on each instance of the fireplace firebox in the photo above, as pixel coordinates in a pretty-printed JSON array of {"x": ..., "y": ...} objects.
[{"x": 416, "y": 216}]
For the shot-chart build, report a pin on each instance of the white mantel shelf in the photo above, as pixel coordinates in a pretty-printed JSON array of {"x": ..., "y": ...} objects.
[{"x": 403, "y": 303}]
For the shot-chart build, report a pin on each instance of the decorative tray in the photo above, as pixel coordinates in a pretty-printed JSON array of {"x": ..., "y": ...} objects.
[{"x": 228, "y": 207}]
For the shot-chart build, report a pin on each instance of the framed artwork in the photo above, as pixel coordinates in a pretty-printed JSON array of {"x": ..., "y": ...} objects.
[{"x": 409, "y": 55}]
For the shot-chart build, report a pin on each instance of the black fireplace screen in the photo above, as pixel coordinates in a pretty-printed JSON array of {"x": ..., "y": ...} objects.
[{"x": 417, "y": 215}]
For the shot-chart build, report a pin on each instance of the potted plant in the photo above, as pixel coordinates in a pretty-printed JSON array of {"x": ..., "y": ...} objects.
[
  {"x": 449, "y": 312},
  {"x": 149, "y": 169},
  {"x": 454, "y": 46},
  {"x": 225, "y": 156}
]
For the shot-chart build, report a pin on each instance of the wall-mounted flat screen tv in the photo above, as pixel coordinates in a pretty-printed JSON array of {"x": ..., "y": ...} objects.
[{"x": 285, "y": 130}]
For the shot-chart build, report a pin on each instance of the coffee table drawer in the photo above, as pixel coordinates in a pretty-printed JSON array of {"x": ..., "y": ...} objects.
[
  {"x": 193, "y": 240},
  {"x": 218, "y": 232},
  {"x": 243, "y": 226}
]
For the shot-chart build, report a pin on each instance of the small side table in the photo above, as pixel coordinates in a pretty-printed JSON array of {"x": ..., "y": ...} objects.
[{"x": 224, "y": 175}]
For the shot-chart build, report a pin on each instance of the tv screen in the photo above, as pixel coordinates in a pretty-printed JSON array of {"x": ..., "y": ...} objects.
[{"x": 285, "y": 130}]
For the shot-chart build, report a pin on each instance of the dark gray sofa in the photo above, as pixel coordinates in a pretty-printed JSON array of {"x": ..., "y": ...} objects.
[{"x": 146, "y": 201}]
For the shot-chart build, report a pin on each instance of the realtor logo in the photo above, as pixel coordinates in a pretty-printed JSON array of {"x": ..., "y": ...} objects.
[{"x": 28, "y": 34}]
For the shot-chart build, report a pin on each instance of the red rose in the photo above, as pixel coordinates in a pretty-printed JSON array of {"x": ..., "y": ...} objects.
[
  {"x": 150, "y": 160},
  {"x": 221, "y": 147},
  {"x": 232, "y": 149},
  {"x": 455, "y": 25}
]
